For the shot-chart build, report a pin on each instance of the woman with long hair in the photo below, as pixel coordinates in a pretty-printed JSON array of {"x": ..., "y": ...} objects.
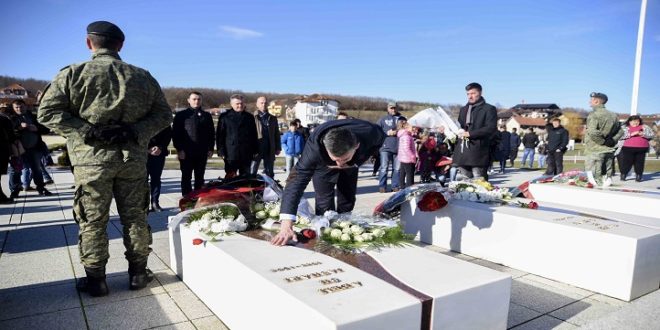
[{"x": 634, "y": 148}]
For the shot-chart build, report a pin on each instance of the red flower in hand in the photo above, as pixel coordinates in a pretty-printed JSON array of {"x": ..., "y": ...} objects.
[
  {"x": 432, "y": 201},
  {"x": 308, "y": 233},
  {"x": 197, "y": 241}
]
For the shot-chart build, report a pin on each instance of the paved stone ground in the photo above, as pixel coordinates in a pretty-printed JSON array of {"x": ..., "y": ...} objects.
[{"x": 39, "y": 265}]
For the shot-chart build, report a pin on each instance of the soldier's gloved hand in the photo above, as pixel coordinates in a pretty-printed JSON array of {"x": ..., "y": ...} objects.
[
  {"x": 610, "y": 142},
  {"x": 122, "y": 134},
  {"x": 113, "y": 134},
  {"x": 94, "y": 134}
]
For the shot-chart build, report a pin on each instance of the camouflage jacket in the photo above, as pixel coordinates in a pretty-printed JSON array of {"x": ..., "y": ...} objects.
[
  {"x": 99, "y": 92},
  {"x": 599, "y": 125}
]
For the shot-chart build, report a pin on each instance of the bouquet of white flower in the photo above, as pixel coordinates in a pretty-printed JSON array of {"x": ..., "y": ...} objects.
[
  {"x": 479, "y": 191},
  {"x": 351, "y": 236},
  {"x": 221, "y": 219},
  {"x": 265, "y": 211}
]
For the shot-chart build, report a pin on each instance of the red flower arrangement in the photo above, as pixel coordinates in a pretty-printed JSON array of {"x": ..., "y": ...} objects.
[
  {"x": 308, "y": 233},
  {"x": 531, "y": 205},
  {"x": 432, "y": 201}
]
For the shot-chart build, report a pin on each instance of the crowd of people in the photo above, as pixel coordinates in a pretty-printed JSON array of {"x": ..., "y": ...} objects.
[{"x": 118, "y": 127}]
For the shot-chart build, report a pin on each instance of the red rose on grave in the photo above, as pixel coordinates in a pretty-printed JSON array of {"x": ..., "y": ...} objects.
[
  {"x": 589, "y": 185},
  {"x": 197, "y": 241},
  {"x": 308, "y": 233},
  {"x": 533, "y": 205},
  {"x": 432, "y": 201},
  {"x": 571, "y": 183}
]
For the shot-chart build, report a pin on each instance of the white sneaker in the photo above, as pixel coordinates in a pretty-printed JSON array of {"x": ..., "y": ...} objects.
[{"x": 607, "y": 182}]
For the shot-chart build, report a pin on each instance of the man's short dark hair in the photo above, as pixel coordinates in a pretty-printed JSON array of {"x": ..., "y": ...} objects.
[
  {"x": 338, "y": 141},
  {"x": 18, "y": 101},
  {"x": 555, "y": 119},
  {"x": 473, "y": 85},
  {"x": 293, "y": 123},
  {"x": 237, "y": 97},
  {"x": 99, "y": 41}
]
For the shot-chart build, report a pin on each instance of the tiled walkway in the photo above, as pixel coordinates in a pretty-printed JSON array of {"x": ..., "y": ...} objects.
[{"x": 39, "y": 265}]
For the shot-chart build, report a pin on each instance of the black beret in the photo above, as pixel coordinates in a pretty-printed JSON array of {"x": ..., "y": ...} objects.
[
  {"x": 103, "y": 28},
  {"x": 599, "y": 96}
]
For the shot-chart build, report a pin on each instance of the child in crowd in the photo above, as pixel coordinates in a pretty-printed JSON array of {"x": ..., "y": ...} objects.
[
  {"x": 407, "y": 154},
  {"x": 292, "y": 145},
  {"x": 428, "y": 156}
]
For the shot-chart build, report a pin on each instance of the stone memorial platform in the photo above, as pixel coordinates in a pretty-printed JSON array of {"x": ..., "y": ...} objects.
[
  {"x": 255, "y": 286},
  {"x": 618, "y": 259},
  {"x": 640, "y": 202}
]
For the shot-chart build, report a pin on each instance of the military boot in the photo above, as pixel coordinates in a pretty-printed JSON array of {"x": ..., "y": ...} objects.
[
  {"x": 94, "y": 283},
  {"x": 139, "y": 275}
]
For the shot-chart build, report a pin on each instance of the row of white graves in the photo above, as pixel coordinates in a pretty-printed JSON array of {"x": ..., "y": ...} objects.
[
  {"x": 251, "y": 284},
  {"x": 603, "y": 241}
]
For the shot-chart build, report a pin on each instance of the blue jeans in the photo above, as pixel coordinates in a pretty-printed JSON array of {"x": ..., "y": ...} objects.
[
  {"x": 387, "y": 158},
  {"x": 26, "y": 174},
  {"x": 291, "y": 162},
  {"x": 542, "y": 160},
  {"x": 528, "y": 152},
  {"x": 32, "y": 159}
]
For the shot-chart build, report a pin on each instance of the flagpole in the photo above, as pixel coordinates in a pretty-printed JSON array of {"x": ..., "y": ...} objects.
[{"x": 638, "y": 58}]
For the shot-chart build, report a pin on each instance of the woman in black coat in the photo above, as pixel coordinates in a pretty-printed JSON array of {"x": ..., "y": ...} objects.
[{"x": 503, "y": 147}]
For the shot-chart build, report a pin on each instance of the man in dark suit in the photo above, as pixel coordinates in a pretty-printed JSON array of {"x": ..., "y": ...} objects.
[
  {"x": 236, "y": 138},
  {"x": 478, "y": 121},
  {"x": 192, "y": 134},
  {"x": 268, "y": 131},
  {"x": 156, "y": 162},
  {"x": 331, "y": 157}
]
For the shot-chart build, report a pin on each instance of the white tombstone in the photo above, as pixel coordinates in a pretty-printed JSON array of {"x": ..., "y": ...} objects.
[
  {"x": 253, "y": 285},
  {"x": 618, "y": 259},
  {"x": 465, "y": 295},
  {"x": 631, "y": 201}
]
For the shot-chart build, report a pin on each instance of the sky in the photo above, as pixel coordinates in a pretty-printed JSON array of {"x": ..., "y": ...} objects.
[{"x": 427, "y": 51}]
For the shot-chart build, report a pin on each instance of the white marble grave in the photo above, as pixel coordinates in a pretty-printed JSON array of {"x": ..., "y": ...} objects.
[
  {"x": 253, "y": 285},
  {"x": 631, "y": 201},
  {"x": 618, "y": 259},
  {"x": 465, "y": 295}
]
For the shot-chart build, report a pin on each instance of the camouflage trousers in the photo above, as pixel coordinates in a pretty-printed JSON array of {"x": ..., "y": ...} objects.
[
  {"x": 601, "y": 164},
  {"x": 95, "y": 187}
]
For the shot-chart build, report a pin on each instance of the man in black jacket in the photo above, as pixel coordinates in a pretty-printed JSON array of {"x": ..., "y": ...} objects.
[
  {"x": 332, "y": 155},
  {"x": 192, "y": 134},
  {"x": 478, "y": 121},
  {"x": 156, "y": 162},
  {"x": 529, "y": 141},
  {"x": 557, "y": 142},
  {"x": 237, "y": 138},
  {"x": 268, "y": 131}
]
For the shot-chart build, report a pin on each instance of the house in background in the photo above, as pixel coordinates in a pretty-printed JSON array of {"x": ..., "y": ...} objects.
[
  {"x": 315, "y": 109},
  {"x": 17, "y": 92},
  {"x": 522, "y": 123}
]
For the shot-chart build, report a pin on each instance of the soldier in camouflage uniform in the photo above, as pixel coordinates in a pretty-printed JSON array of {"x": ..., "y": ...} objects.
[
  {"x": 108, "y": 110},
  {"x": 603, "y": 131}
]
